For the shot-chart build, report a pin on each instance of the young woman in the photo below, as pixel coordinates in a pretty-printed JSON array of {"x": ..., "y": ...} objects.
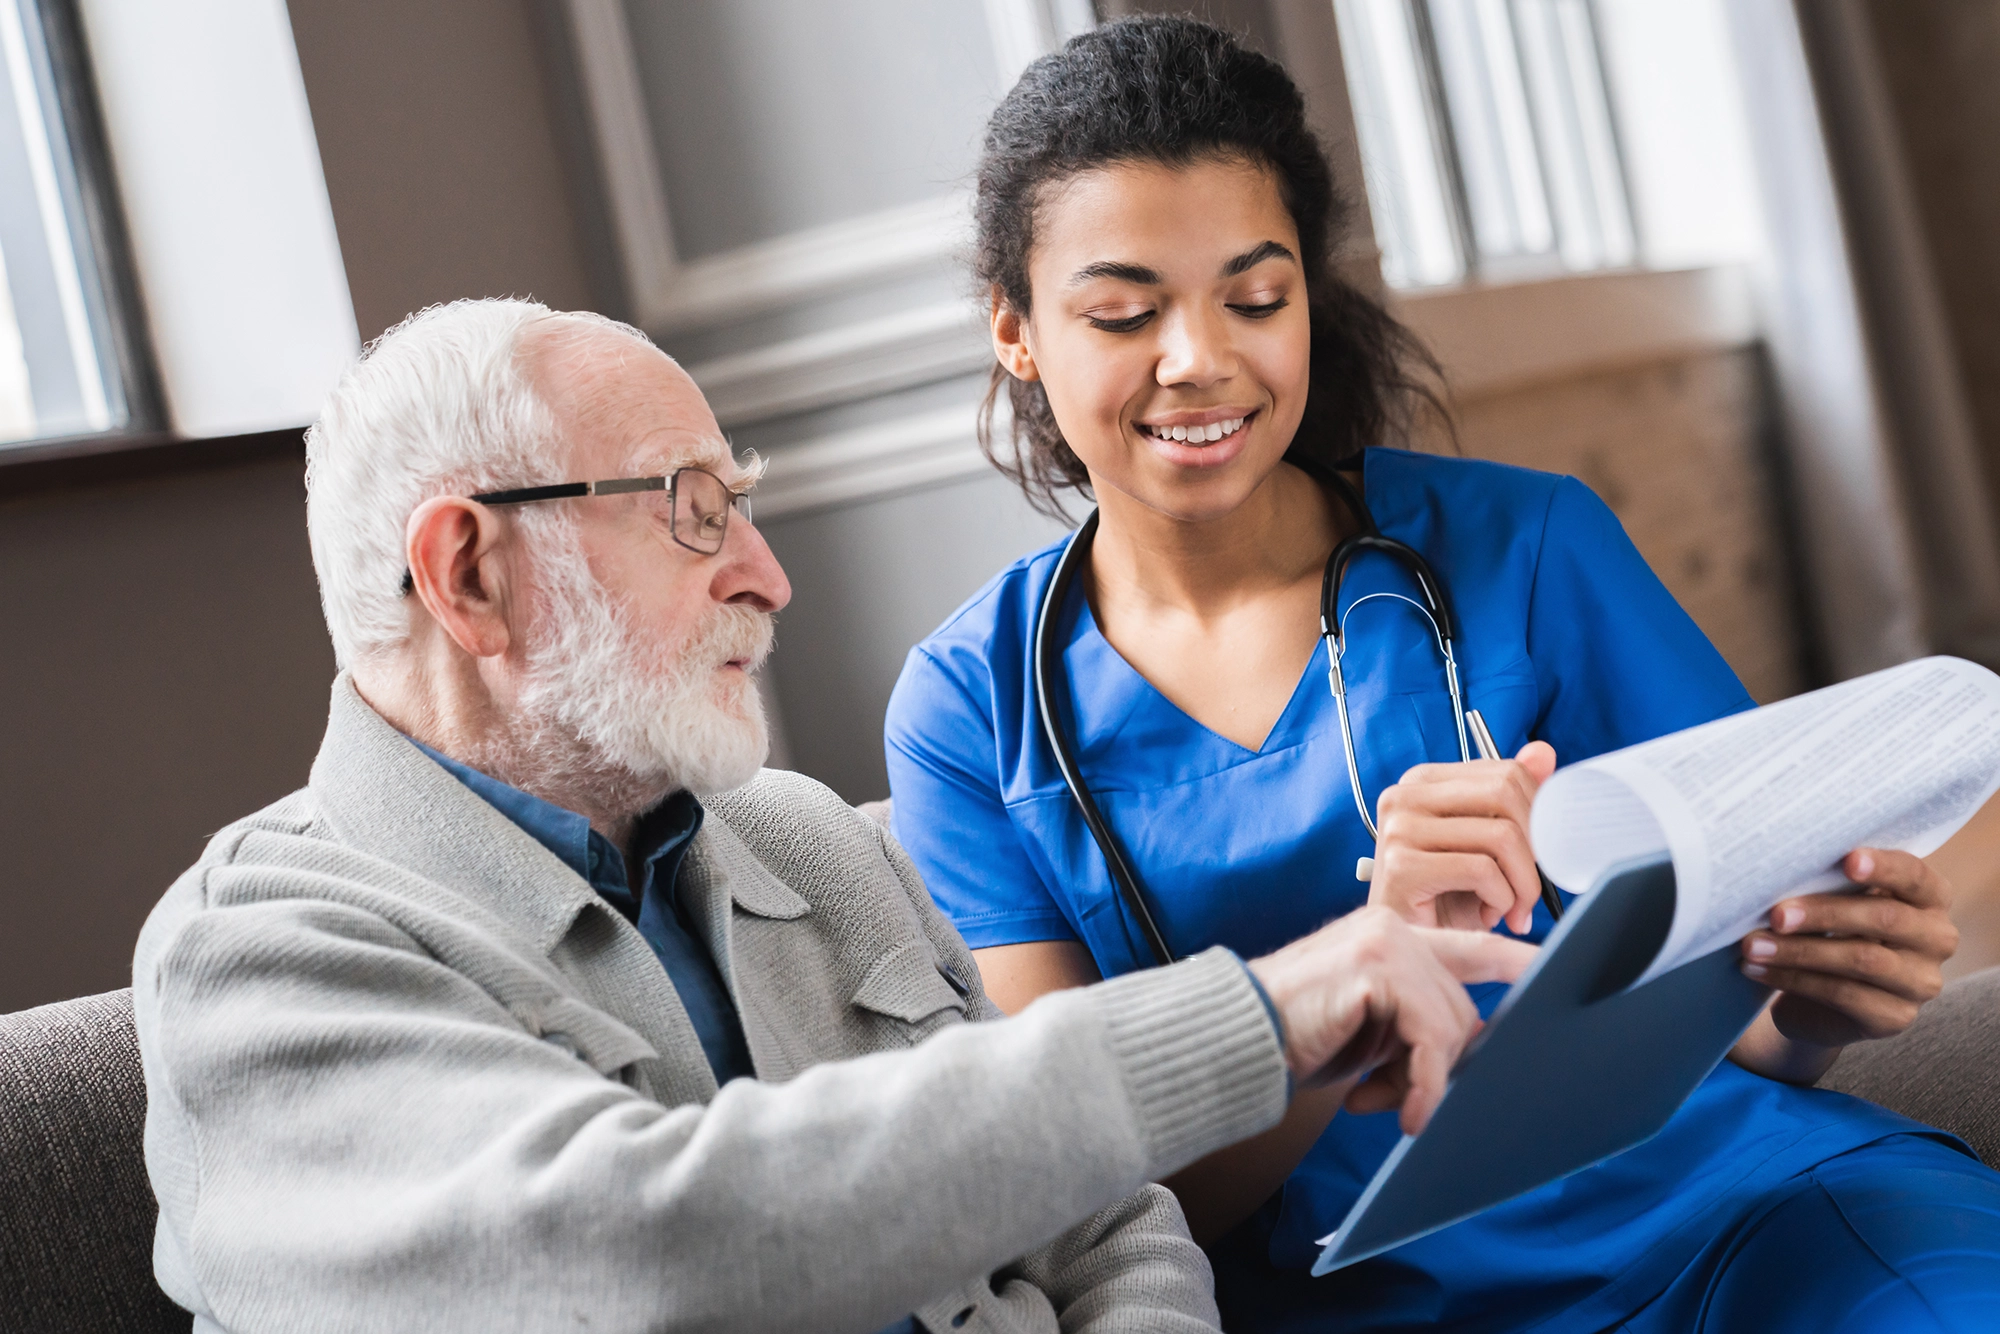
[{"x": 1155, "y": 228}]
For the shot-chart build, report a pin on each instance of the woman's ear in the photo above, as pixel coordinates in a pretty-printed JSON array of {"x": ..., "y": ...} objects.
[
  {"x": 1010, "y": 340},
  {"x": 456, "y": 572}
]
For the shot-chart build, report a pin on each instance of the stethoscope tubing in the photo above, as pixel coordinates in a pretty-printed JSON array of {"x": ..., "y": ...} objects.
[
  {"x": 1047, "y": 670},
  {"x": 1047, "y": 656}
]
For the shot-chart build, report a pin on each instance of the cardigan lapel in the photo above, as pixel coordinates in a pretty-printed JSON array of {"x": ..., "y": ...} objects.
[
  {"x": 720, "y": 878},
  {"x": 383, "y": 796},
  {"x": 813, "y": 973}
]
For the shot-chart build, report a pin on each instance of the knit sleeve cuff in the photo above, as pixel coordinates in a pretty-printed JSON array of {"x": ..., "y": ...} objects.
[{"x": 1201, "y": 1057}]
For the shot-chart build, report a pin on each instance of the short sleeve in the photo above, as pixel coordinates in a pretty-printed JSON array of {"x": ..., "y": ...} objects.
[
  {"x": 1616, "y": 660},
  {"x": 950, "y": 817}
]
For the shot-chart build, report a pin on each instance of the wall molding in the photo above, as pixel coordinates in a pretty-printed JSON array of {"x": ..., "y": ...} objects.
[
  {"x": 871, "y": 463},
  {"x": 628, "y": 166},
  {"x": 927, "y": 236},
  {"x": 669, "y": 295},
  {"x": 845, "y": 363}
]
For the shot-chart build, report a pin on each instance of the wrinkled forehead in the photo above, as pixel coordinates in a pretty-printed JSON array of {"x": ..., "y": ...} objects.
[
  {"x": 636, "y": 433},
  {"x": 626, "y": 409}
]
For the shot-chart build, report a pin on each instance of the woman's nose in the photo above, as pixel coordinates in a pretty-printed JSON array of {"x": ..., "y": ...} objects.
[{"x": 1195, "y": 348}]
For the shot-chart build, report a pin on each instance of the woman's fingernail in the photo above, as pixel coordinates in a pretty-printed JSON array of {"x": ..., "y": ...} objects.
[
  {"x": 1864, "y": 866},
  {"x": 1789, "y": 919},
  {"x": 1761, "y": 948},
  {"x": 1756, "y": 970}
]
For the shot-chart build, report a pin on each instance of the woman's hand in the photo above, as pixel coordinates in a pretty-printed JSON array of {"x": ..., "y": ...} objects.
[
  {"x": 1848, "y": 966},
  {"x": 1454, "y": 847}
]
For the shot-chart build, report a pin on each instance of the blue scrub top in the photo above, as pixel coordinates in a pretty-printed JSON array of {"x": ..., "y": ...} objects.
[{"x": 1566, "y": 636}]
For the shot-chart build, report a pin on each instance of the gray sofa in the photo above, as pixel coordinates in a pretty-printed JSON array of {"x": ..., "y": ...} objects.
[
  {"x": 1945, "y": 1071},
  {"x": 76, "y": 1214}
]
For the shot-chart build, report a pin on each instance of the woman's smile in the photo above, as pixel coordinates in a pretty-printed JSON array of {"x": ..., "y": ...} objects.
[
  {"x": 1172, "y": 347},
  {"x": 1206, "y": 439}
]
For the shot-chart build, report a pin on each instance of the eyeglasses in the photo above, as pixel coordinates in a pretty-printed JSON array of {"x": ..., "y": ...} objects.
[{"x": 697, "y": 504}]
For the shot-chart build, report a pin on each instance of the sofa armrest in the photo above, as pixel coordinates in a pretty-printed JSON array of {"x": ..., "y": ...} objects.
[
  {"x": 76, "y": 1209},
  {"x": 1944, "y": 1070}
]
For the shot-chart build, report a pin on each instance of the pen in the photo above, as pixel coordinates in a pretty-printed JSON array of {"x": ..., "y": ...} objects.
[{"x": 1482, "y": 740}]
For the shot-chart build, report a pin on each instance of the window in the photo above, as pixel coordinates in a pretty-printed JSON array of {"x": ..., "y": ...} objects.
[
  {"x": 68, "y": 364},
  {"x": 1488, "y": 138}
]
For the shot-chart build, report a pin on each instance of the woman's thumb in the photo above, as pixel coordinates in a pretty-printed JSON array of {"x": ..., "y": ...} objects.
[{"x": 1539, "y": 759}]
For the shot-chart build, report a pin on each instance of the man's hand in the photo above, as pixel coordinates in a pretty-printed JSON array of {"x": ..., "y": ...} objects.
[
  {"x": 1369, "y": 995},
  {"x": 1848, "y": 966},
  {"x": 1454, "y": 843}
]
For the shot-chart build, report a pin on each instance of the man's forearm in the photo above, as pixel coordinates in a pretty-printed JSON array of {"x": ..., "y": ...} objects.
[
  {"x": 1131, "y": 1266},
  {"x": 398, "y": 1122}
]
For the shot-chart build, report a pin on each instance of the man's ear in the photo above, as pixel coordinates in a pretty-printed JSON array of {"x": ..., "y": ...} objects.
[
  {"x": 1010, "y": 340},
  {"x": 453, "y": 547}
]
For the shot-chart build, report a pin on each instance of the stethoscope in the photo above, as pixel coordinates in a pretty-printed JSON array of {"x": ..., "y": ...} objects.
[{"x": 1435, "y": 609}]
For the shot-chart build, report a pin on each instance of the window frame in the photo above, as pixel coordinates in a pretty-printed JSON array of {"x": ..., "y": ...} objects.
[
  {"x": 101, "y": 239},
  {"x": 1475, "y": 266}
]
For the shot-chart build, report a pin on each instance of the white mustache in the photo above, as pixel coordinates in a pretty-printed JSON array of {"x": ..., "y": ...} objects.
[{"x": 737, "y": 633}]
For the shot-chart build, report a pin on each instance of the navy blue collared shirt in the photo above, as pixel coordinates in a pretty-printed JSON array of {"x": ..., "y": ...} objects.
[{"x": 660, "y": 846}]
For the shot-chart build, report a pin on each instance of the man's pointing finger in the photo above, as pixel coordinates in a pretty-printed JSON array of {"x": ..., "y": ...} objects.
[{"x": 1478, "y": 956}]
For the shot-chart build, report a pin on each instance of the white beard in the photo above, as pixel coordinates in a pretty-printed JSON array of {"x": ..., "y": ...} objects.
[{"x": 609, "y": 723}]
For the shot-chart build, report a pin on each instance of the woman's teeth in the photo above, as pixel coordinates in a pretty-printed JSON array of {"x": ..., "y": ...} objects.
[{"x": 1196, "y": 434}]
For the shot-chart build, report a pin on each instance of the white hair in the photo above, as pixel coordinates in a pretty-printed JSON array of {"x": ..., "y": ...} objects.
[{"x": 438, "y": 405}]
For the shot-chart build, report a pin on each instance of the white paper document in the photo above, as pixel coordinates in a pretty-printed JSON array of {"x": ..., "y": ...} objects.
[{"x": 1763, "y": 805}]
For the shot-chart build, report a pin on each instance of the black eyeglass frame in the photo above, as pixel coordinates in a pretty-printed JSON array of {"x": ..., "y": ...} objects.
[{"x": 739, "y": 502}]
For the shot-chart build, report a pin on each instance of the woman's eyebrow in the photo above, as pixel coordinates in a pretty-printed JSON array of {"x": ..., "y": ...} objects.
[
  {"x": 1250, "y": 259},
  {"x": 1145, "y": 277},
  {"x": 1111, "y": 268}
]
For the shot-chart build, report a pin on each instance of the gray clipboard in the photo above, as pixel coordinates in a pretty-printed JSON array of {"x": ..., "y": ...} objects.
[{"x": 1571, "y": 1070}]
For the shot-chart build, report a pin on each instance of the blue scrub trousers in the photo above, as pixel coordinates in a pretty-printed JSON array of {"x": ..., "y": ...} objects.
[{"x": 1901, "y": 1236}]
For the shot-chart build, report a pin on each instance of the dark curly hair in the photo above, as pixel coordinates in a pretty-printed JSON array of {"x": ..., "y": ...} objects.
[{"x": 1175, "y": 90}]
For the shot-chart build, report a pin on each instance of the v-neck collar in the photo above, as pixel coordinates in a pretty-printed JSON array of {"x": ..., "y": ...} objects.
[
  {"x": 1119, "y": 697},
  {"x": 1120, "y": 692}
]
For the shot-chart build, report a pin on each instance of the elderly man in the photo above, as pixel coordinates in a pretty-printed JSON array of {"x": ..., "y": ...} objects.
[{"x": 539, "y": 1007}]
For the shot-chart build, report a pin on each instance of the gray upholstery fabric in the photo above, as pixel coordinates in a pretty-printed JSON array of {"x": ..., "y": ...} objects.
[
  {"x": 76, "y": 1212},
  {"x": 1944, "y": 1071}
]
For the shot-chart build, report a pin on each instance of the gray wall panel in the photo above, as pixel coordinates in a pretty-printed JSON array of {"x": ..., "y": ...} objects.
[
  {"x": 771, "y": 117},
  {"x": 868, "y": 582}
]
